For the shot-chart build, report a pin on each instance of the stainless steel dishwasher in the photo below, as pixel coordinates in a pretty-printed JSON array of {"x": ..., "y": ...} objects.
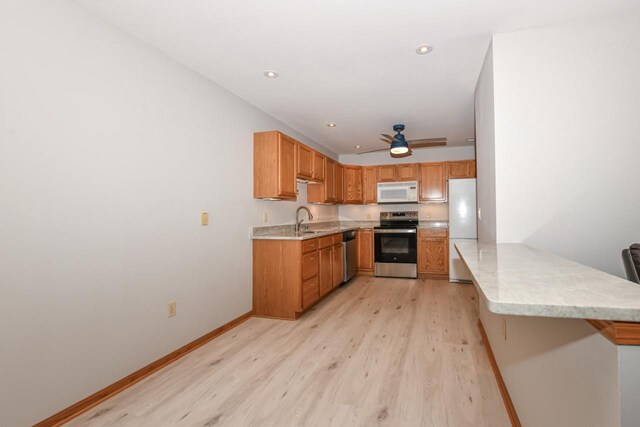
[{"x": 349, "y": 249}]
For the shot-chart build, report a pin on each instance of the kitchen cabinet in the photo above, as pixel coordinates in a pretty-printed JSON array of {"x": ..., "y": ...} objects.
[
  {"x": 274, "y": 166},
  {"x": 291, "y": 275},
  {"x": 319, "y": 166},
  {"x": 402, "y": 172},
  {"x": 352, "y": 185},
  {"x": 326, "y": 262},
  {"x": 304, "y": 157},
  {"x": 462, "y": 169},
  {"x": 407, "y": 172},
  {"x": 433, "y": 182},
  {"x": 339, "y": 184},
  {"x": 337, "y": 264},
  {"x": 369, "y": 185},
  {"x": 364, "y": 239},
  {"x": 386, "y": 173},
  {"x": 433, "y": 252},
  {"x": 324, "y": 192}
]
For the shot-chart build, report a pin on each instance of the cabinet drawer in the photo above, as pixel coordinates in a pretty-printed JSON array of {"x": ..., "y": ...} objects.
[
  {"x": 309, "y": 245},
  {"x": 434, "y": 232},
  {"x": 310, "y": 292},
  {"x": 326, "y": 241},
  {"x": 309, "y": 265}
]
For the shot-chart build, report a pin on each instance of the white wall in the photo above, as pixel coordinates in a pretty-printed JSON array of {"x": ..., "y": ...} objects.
[
  {"x": 567, "y": 103},
  {"x": 436, "y": 154},
  {"x": 108, "y": 152},
  {"x": 432, "y": 211},
  {"x": 559, "y": 372},
  {"x": 486, "y": 151}
]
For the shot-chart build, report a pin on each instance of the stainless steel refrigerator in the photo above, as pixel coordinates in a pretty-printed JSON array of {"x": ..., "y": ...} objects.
[{"x": 462, "y": 224}]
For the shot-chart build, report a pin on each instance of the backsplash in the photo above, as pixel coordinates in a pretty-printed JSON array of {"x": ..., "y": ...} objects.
[{"x": 431, "y": 211}]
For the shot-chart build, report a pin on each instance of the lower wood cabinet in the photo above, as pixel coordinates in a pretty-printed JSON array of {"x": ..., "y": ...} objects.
[
  {"x": 364, "y": 238},
  {"x": 433, "y": 252},
  {"x": 291, "y": 275}
]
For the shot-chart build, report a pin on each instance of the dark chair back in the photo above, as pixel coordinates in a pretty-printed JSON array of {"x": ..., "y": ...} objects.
[{"x": 631, "y": 261}]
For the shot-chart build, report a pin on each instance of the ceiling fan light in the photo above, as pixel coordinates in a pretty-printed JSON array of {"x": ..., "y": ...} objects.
[{"x": 398, "y": 147}]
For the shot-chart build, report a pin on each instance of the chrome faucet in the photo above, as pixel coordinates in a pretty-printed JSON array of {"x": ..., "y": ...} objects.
[{"x": 299, "y": 221}]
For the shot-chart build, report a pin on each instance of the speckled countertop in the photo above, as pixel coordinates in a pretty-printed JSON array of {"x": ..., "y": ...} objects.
[
  {"x": 320, "y": 229},
  {"x": 516, "y": 279}
]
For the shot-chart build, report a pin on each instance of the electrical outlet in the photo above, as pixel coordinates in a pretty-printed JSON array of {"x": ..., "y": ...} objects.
[
  {"x": 204, "y": 218},
  {"x": 368, "y": 216},
  {"x": 171, "y": 309},
  {"x": 265, "y": 217},
  {"x": 504, "y": 328}
]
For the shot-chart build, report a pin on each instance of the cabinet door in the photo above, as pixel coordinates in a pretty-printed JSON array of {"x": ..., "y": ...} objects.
[
  {"x": 386, "y": 173},
  {"x": 433, "y": 182},
  {"x": 326, "y": 260},
  {"x": 353, "y": 185},
  {"x": 339, "y": 183},
  {"x": 287, "y": 167},
  {"x": 365, "y": 249},
  {"x": 305, "y": 161},
  {"x": 310, "y": 292},
  {"x": 330, "y": 181},
  {"x": 433, "y": 256},
  {"x": 337, "y": 265},
  {"x": 369, "y": 185},
  {"x": 462, "y": 169},
  {"x": 319, "y": 165},
  {"x": 407, "y": 172}
]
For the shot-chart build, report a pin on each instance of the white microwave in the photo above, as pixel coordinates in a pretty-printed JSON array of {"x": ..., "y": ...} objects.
[{"x": 398, "y": 192}]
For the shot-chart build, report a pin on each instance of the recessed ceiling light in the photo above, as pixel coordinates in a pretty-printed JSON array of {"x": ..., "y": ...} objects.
[
  {"x": 358, "y": 146},
  {"x": 424, "y": 49},
  {"x": 271, "y": 74},
  {"x": 331, "y": 125}
]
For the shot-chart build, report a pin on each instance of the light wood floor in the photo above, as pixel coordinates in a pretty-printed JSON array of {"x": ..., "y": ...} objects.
[{"x": 392, "y": 352}]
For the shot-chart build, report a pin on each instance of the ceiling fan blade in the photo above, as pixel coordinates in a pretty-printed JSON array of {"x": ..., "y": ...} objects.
[
  {"x": 390, "y": 138},
  {"x": 387, "y": 141},
  {"x": 419, "y": 141},
  {"x": 428, "y": 144},
  {"x": 373, "y": 151}
]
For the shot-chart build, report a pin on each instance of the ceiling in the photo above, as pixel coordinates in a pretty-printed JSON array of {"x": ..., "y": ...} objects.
[{"x": 349, "y": 62}]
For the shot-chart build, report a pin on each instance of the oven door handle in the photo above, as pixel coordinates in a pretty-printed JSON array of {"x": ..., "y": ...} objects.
[{"x": 396, "y": 231}]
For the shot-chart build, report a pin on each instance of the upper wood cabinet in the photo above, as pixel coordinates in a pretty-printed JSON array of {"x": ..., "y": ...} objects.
[
  {"x": 324, "y": 192},
  {"x": 407, "y": 172},
  {"x": 319, "y": 166},
  {"x": 274, "y": 166},
  {"x": 402, "y": 172},
  {"x": 386, "y": 173},
  {"x": 304, "y": 156},
  {"x": 433, "y": 182},
  {"x": 339, "y": 184},
  {"x": 369, "y": 185},
  {"x": 462, "y": 169},
  {"x": 352, "y": 185}
]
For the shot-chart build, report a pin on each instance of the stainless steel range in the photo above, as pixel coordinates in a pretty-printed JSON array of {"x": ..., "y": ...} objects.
[{"x": 396, "y": 245}]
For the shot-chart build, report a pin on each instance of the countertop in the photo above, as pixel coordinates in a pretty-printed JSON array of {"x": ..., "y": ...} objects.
[
  {"x": 286, "y": 232},
  {"x": 292, "y": 235},
  {"x": 516, "y": 279}
]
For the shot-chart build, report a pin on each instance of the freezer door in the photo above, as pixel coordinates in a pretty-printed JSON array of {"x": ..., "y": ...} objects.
[
  {"x": 462, "y": 209},
  {"x": 458, "y": 272}
]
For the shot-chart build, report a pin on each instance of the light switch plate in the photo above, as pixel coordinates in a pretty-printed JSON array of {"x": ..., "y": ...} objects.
[
  {"x": 171, "y": 309},
  {"x": 204, "y": 218}
]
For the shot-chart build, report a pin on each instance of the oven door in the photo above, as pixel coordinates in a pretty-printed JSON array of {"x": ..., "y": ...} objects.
[{"x": 396, "y": 245}]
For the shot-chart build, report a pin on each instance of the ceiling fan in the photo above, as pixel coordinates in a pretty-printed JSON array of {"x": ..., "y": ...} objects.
[{"x": 400, "y": 147}]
